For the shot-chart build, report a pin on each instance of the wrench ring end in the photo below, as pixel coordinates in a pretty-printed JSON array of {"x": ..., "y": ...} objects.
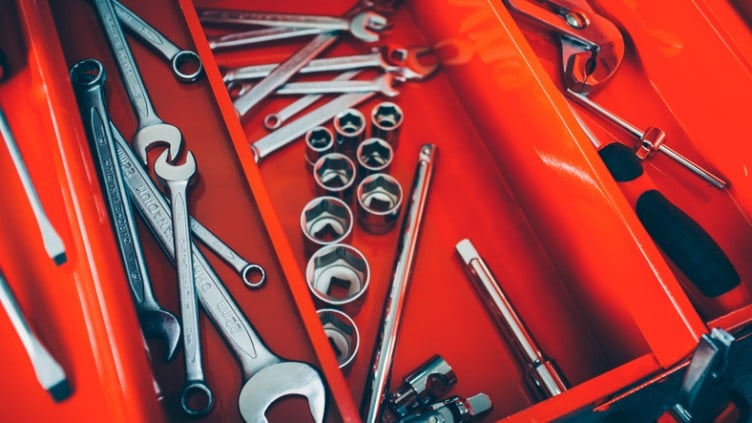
[
  {"x": 187, "y": 57},
  {"x": 88, "y": 72},
  {"x": 254, "y": 276},
  {"x": 194, "y": 389}
]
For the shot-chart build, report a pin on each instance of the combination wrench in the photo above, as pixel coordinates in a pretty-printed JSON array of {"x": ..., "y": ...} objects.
[
  {"x": 266, "y": 377},
  {"x": 174, "y": 55},
  {"x": 88, "y": 77},
  {"x": 52, "y": 242},
  {"x": 151, "y": 129},
  {"x": 256, "y": 36},
  {"x": 362, "y": 25},
  {"x": 177, "y": 178}
]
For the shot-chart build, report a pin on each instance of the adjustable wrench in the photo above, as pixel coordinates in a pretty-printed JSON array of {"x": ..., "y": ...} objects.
[
  {"x": 53, "y": 244},
  {"x": 173, "y": 54},
  {"x": 266, "y": 377},
  {"x": 88, "y": 78},
  {"x": 362, "y": 25},
  {"x": 177, "y": 178},
  {"x": 151, "y": 129}
]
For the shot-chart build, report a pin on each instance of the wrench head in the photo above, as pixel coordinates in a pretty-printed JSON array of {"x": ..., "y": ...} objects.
[
  {"x": 280, "y": 380},
  {"x": 157, "y": 134},
  {"x": 162, "y": 325},
  {"x": 175, "y": 173},
  {"x": 365, "y": 26},
  {"x": 412, "y": 61},
  {"x": 386, "y": 85}
]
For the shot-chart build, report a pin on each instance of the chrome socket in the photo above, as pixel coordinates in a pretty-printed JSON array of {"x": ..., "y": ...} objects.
[
  {"x": 342, "y": 333},
  {"x": 350, "y": 129},
  {"x": 325, "y": 221},
  {"x": 334, "y": 175},
  {"x": 386, "y": 122},
  {"x": 379, "y": 200},
  {"x": 374, "y": 155},
  {"x": 423, "y": 386},
  {"x": 319, "y": 141},
  {"x": 338, "y": 277}
]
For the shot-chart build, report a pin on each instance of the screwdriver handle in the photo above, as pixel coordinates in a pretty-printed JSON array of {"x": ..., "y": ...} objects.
[{"x": 682, "y": 239}]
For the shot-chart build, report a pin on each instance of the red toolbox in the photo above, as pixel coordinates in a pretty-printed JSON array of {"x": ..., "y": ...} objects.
[{"x": 515, "y": 173}]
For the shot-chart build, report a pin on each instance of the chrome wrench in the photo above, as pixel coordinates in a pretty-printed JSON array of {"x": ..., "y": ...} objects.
[
  {"x": 295, "y": 129},
  {"x": 266, "y": 377},
  {"x": 382, "y": 84},
  {"x": 53, "y": 244},
  {"x": 140, "y": 183},
  {"x": 177, "y": 178},
  {"x": 287, "y": 69},
  {"x": 362, "y": 25},
  {"x": 174, "y": 55},
  {"x": 256, "y": 36},
  {"x": 88, "y": 77},
  {"x": 151, "y": 129}
]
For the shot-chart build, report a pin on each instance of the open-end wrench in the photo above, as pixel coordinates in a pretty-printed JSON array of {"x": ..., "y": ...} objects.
[
  {"x": 196, "y": 398},
  {"x": 363, "y": 26},
  {"x": 383, "y": 84},
  {"x": 266, "y": 377},
  {"x": 48, "y": 371},
  {"x": 407, "y": 67},
  {"x": 253, "y": 275},
  {"x": 88, "y": 77},
  {"x": 178, "y": 58},
  {"x": 151, "y": 129},
  {"x": 53, "y": 244},
  {"x": 295, "y": 129},
  {"x": 287, "y": 69},
  {"x": 256, "y": 36}
]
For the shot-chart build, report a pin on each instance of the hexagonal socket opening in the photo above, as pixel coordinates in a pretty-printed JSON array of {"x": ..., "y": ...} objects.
[
  {"x": 337, "y": 274},
  {"x": 380, "y": 193},
  {"x": 334, "y": 171},
  {"x": 319, "y": 139},
  {"x": 342, "y": 334},
  {"x": 349, "y": 122},
  {"x": 326, "y": 220},
  {"x": 387, "y": 115},
  {"x": 375, "y": 154}
]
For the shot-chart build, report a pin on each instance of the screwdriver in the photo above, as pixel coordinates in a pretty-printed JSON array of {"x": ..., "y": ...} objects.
[{"x": 682, "y": 239}]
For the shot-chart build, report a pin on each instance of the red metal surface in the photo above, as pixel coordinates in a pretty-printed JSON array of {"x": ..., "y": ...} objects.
[{"x": 515, "y": 174}]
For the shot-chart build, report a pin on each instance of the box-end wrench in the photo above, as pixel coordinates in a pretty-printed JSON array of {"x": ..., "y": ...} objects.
[
  {"x": 196, "y": 399},
  {"x": 408, "y": 68},
  {"x": 53, "y": 244},
  {"x": 266, "y": 377},
  {"x": 151, "y": 129},
  {"x": 287, "y": 69},
  {"x": 253, "y": 275},
  {"x": 295, "y": 129},
  {"x": 363, "y": 26},
  {"x": 256, "y": 36},
  {"x": 88, "y": 77},
  {"x": 178, "y": 58},
  {"x": 380, "y": 367},
  {"x": 48, "y": 371}
]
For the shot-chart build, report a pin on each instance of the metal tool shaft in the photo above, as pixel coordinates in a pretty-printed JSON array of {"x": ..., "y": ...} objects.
[
  {"x": 640, "y": 134},
  {"x": 542, "y": 371},
  {"x": 377, "y": 380}
]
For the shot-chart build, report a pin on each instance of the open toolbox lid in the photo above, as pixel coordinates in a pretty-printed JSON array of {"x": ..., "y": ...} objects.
[{"x": 541, "y": 186}]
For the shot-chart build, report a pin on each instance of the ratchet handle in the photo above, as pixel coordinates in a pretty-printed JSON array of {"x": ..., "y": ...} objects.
[{"x": 679, "y": 236}]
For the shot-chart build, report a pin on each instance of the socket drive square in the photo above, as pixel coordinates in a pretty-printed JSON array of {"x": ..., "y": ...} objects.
[
  {"x": 386, "y": 122},
  {"x": 379, "y": 200},
  {"x": 334, "y": 175},
  {"x": 342, "y": 333},
  {"x": 350, "y": 129},
  {"x": 374, "y": 155},
  {"x": 318, "y": 142},
  {"x": 338, "y": 277},
  {"x": 325, "y": 221}
]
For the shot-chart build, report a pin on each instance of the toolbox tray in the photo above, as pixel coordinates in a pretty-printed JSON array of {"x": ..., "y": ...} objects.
[{"x": 515, "y": 174}]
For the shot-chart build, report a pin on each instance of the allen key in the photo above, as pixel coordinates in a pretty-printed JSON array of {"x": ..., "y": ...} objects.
[{"x": 652, "y": 140}]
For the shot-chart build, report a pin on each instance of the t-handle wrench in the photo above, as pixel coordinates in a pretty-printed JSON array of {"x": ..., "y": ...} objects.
[
  {"x": 177, "y": 178},
  {"x": 49, "y": 372},
  {"x": 53, "y": 244},
  {"x": 151, "y": 129},
  {"x": 543, "y": 373},
  {"x": 652, "y": 139}
]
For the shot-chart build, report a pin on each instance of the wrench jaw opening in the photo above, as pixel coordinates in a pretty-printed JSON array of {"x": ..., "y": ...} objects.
[
  {"x": 409, "y": 63},
  {"x": 156, "y": 134},
  {"x": 279, "y": 380},
  {"x": 366, "y": 26}
]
